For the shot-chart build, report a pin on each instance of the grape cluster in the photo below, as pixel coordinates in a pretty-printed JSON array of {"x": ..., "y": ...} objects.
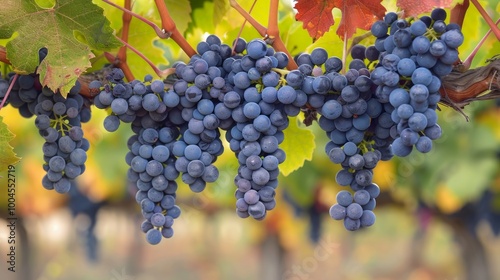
[
  {"x": 370, "y": 113},
  {"x": 413, "y": 57},
  {"x": 58, "y": 120},
  {"x": 349, "y": 114},
  {"x": 151, "y": 158},
  {"x": 177, "y": 128},
  {"x": 383, "y": 104},
  {"x": 258, "y": 106}
]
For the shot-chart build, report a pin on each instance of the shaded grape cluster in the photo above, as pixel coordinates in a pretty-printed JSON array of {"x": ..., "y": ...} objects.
[{"x": 58, "y": 120}]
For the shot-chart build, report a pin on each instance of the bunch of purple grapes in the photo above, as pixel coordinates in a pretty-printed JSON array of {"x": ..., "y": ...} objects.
[
  {"x": 383, "y": 105},
  {"x": 58, "y": 120}
]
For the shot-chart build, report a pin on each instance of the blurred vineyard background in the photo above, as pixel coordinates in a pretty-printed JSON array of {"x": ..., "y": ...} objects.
[{"x": 437, "y": 218}]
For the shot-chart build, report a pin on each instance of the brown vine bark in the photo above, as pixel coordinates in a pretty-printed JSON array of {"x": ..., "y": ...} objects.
[{"x": 459, "y": 89}]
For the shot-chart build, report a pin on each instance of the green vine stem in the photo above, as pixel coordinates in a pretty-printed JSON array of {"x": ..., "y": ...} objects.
[{"x": 344, "y": 53}]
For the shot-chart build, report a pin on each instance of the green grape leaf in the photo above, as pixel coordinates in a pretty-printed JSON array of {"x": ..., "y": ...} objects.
[
  {"x": 462, "y": 162},
  {"x": 298, "y": 145},
  {"x": 301, "y": 185},
  {"x": 471, "y": 178},
  {"x": 220, "y": 9},
  {"x": 180, "y": 10},
  {"x": 143, "y": 38},
  {"x": 8, "y": 157},
  {"x": 202, "y": 17},
  {"x": 294, "y": 37},
  {"x": 69, "y": 30}
]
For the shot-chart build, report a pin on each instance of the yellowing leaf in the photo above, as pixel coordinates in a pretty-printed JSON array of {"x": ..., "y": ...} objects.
[
  {"x": 446, "y": 200},
  {"x": 298, "y": 145},
  {"x": 384, "y": 174},
  {"x": 7, "y": 155},
  {"x": 68, "y": 30}
]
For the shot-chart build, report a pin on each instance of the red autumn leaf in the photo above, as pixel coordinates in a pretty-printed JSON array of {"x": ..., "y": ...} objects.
[
  {"x": 316, "y": 16},
  {"x": 414, "y": 8},
  {"x": 358, "y": 14}
]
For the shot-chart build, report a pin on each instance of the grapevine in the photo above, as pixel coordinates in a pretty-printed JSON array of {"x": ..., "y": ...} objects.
[{"x": 381, "y": 104}]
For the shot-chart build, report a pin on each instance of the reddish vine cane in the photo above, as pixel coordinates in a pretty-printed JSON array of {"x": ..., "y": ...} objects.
[
  {"x": 121, "y": 58},
  {"x": 271, "y": 33}
]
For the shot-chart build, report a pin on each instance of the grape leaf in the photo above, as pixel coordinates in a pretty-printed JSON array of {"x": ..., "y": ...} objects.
[
  {"x": 414, "y": 8},
  {"x": 68, "y": 30},
  {"x": 8, "y": 157},
  {"x": 300, "y": 185},
  {"x": 143, "y": 38},
  {"x": 220, "y": 9},
  {"x": 471, "y": 178},
  {"x": 358, "y": 14},
  {"x": 317, "y": 15},
  {"x": 298, "y": 145},
  {"x": 179, "y": 10}
]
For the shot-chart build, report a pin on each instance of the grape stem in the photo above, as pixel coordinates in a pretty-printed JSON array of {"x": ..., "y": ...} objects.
[
  {"x": 468, "y": 61},
  {"x": 169, "y": 26},
  {"x": 358, "y": 39},
  {"x": 271, "y": 33},
  {"x": 241, "y": 29},
  {"x": 121, "y": 58},
  {"x": 9, "y": 90},
  {"x": 272, "y": 22},
  {"x": 128, "y": 11},
  {"x": 282, "y": 72},
  {"x": 151, "y": 64},
  {"x": 3, "y": 55},
  {"x": 259, "y": 27},
  {"x": 344, "y": 53},
  {"x": 488, "y": 19}
]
